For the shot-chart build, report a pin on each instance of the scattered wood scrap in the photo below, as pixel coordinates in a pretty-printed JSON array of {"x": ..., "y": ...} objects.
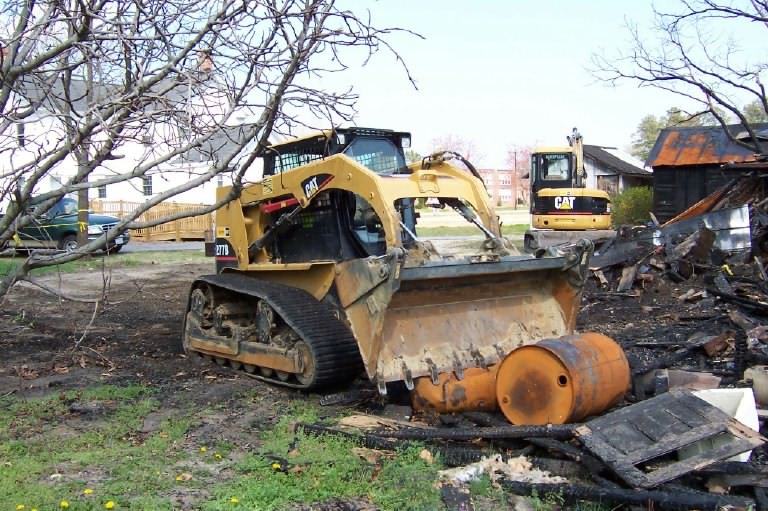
[{"x": 634, "y": 440}]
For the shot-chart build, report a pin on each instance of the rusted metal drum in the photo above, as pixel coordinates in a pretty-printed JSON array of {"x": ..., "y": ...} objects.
[
  {"x": 475, "y": 391},
  {"x": 556, "y": 381}
]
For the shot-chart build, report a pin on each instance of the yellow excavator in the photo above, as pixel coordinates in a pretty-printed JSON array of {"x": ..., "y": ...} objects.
[
  {"x": 323, "y": 275},
  {"x": 563, "y": 210}
]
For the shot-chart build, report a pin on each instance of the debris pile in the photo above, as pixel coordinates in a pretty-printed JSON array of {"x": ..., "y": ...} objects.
[{"x": 687, "y": 301}]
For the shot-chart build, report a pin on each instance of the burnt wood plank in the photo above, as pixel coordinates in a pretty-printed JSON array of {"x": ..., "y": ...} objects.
[
  {"x": 654, "y": 426},
  {"x": 674, "y": 442},
  {"x": 645, "y": 431},
  {"x": 625, "y": 437},
  {"x": 704, "y": 459}
]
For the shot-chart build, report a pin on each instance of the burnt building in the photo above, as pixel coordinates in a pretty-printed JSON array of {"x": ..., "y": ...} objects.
[{"x": 689, "y": 163}]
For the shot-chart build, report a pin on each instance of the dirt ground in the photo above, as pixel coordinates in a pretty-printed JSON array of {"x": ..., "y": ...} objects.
[{"x": 136, "y": 339}]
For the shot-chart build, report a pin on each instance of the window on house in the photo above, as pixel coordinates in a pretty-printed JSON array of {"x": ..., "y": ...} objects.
[
  {"x": 219, "y": 180},
  {"x": 21, "y": 138},
  {"x": 147, "y": 185},
  {"x": 609, "y": 184},
  {"x": 103, "y": 192}
]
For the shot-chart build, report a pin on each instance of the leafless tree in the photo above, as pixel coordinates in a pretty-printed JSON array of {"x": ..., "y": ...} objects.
[
  {"x": 519, "y": 160},
  {"x": 100, "y": 75},
  {"x": 702, "y": 50}
]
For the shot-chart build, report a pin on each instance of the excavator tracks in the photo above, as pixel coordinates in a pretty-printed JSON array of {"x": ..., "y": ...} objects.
[{"x": 328, "y": 351}]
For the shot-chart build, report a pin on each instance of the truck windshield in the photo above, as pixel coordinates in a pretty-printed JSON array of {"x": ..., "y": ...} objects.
[
  {"x": 377, "y": 154},
  {"x": 68, "y": 206},
  {"x": 555, "y": 166}
]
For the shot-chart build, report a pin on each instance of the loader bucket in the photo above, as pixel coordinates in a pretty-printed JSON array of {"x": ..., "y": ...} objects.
[{"x": 452, "y": 316}]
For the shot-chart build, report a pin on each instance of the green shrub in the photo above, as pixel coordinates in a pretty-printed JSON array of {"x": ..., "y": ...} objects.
[{"x": 631, "y": 206}]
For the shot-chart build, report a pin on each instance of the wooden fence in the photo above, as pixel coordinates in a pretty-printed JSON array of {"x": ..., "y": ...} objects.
[{"x": 199, "y": 227}]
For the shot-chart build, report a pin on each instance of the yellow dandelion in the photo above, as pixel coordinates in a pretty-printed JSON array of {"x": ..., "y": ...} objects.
[
  {"x": 20, "y": 507},
  {"x": 276, "y": 466},
  {"x": 203, "y": 449},
  {"x": 234, "y": 500},
  {"x": 64, "y": 504},
  {"x": 109, "y": 505},
  {"x": 33, "y": 509},
  {"x": 217, "y": 456},
  {"x": 88, "y": 491},
  {"x": 179, "y": 478}
]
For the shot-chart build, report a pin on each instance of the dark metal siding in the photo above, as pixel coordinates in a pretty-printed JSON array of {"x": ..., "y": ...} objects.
[{"x": 677, "y": 188}]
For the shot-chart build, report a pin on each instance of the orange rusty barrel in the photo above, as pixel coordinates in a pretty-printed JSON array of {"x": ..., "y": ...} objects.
[
  {"x": 556, "y": 381},
  {"x": 475, "y": 391}
]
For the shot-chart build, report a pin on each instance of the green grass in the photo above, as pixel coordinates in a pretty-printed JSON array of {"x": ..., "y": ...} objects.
[
  {"x": 48, "y": 455},
  {"x": 44, "y": 461},
  {"x": 315, "y": 469},
  {"x": 468, "y": 230},
  {"x": 112, "y": 261}
]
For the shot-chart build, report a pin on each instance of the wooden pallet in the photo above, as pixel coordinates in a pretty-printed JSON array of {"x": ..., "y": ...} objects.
[{"x": 631, "y": 440}]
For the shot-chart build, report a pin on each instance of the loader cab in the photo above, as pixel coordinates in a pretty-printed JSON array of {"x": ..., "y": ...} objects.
[
  {"x": 378, "y": 150},
  {"x": 340, "y": 225}
]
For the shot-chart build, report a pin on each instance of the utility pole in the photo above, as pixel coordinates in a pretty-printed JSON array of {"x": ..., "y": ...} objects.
[{"x": 514, "y": 179}]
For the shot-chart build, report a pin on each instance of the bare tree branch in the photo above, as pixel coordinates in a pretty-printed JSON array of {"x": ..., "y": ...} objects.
[
  {"x": 85, "y": 83},
  {"x": 692, "y": 52}
]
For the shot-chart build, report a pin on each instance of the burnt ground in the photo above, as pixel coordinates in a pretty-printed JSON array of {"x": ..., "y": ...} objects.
[{"x": 135, "y": 339}]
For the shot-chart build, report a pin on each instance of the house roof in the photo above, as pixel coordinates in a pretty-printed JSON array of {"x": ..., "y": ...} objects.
[
  {"x": 610, "y": 160},
  {"x": 703, "y": 145},
  {"x": 53, "y": 96},
  {"x": 225, "y": 142},
  {"x": 170, "y": 97}
]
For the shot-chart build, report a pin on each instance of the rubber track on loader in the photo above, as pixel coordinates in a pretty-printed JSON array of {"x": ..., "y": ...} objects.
[{"x": 337, "y": 357}]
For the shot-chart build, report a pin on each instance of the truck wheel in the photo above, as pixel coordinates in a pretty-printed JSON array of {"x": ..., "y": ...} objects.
[{"x": 69, "y": 243}]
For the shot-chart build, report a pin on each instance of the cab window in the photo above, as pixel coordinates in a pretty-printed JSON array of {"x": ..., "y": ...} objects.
[
  {"x": 377, "y": 154},
  {"x": 68, "y": 207},
  {"x": 555, "y": 167}
]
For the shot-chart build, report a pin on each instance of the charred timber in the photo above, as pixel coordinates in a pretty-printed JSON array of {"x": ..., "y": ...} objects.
[
  {"x": 452, "y": 456},
  {"x": 682, "y": 501},
  {"x": 558, "y": 431}
]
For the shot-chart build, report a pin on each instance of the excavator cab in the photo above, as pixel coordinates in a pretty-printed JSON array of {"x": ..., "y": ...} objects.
[
  {"x": 562, "y": 208},
  {"x": 552, "y": 170}
]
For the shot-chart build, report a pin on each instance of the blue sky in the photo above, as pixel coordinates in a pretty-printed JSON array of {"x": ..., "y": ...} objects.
[{"x": 503, "y": 73}]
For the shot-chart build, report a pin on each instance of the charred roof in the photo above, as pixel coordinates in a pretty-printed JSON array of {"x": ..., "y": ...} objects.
[{"x": 704, "y": 145}]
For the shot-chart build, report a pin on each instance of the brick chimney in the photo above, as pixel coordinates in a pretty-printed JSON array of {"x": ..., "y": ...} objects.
[{"x": 205, "y": 61}]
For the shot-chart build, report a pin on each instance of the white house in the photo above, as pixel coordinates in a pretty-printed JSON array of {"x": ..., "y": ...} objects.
[
  {"x": 613, "y": 170},
  {"x": 185, "y": 106}
]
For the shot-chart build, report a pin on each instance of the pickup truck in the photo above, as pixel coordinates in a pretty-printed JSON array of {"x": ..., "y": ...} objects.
[{"x": 58, "y": 229}]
